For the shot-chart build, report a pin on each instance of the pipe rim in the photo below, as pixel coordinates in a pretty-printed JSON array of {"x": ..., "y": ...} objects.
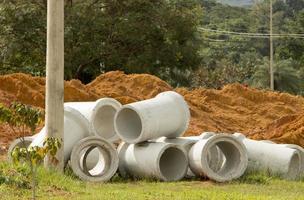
[
  {"x": 99, "y": 104},
  {"x": 239, "y": 136},
  {"x": 121, "y": 149},
  {"x": 184, "y": 142},
  {"x": 181, "y": 173},
  {"x": 206, "y": 135},
  {"x": 139, "y": 135},
  {"x": 294, "y": 167},
  {"x": 98, "y": 143},
  {"x": 243, "y": 159}
]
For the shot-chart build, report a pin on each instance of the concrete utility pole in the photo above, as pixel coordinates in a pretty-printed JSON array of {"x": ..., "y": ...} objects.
[
  {"x": 55, "y": 77},
  {"x": 271, "y": 48}
]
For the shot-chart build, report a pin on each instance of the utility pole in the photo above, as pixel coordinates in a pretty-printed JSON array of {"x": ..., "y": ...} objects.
[
  {"x": 55, "y": 78},
  {"x": 271, "y": 48}
]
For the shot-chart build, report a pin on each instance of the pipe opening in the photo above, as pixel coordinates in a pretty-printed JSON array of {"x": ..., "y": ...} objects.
[
  {"x": 128, "y": 124},
  {"x": 294, "y": 166},
  {"x": 98, "y": 155},
  {"x": 173, "y": 163},
  {"x": 232, "y": 157},
  {"x": 103, "y": 122},
  {"x": 215, "y": 158}
]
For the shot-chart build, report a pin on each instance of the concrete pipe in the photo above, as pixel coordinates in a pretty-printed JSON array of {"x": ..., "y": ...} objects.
[
  {"x": 233, "y": 150},
  {"x": 165, "y": 115},
  {"x": 163, "y": 161},
  {"x": 271, "y": 157},
  {"x": 76, "y": 127},
  {"x": 185, "y": 143},
  {"x": 296, "y": 147},
  {"x": 100, "y": 115},
  {"x": 301, "y": 152},
  {"x": 22, "y": 142},
  {"x": 215, "y": 156},
  {"x": 107, "y": 163}
]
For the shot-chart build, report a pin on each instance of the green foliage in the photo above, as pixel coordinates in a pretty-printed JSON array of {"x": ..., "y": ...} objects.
[
  {"x": 156, "y": 37},
  {"x": 255, "y": 178},
  {"x": 24, "y": 117},
  {"x": 35, "y": 155},
  {"x": 130, "y": 35},
  {"x": 61, "y": 186},
  {"x": 286, "y": 78},
  {"x": 18, "y": 176},
  {"x": 20, "y": 115}
]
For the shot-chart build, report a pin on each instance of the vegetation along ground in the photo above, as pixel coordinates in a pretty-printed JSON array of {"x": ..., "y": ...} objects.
[{"x": 53, "y": 185}]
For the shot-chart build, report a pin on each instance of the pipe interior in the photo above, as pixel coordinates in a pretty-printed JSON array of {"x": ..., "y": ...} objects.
[
  {"x": 294, "y": 166},
  {"x": 173, "y": 163},
  {"x": 104, "y": 121},
  {"x": 102, "y": 160},
  {"x": 215, "y": 158},
  {"x": 128, "y": 124},
  {"x": 232, "y": 158}
]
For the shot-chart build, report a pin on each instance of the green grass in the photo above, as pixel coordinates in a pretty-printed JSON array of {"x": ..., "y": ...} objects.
[{"x": 56, "y": 186}]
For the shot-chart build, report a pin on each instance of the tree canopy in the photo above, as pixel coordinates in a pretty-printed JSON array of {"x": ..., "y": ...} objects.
[{"x": 159, "y": 37}]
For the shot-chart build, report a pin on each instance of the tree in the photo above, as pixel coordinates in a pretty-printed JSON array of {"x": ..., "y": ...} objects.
[
  {"x": 22, "y": 119},
  {"x": 286, "y": 78},
  {"x": 135, "y": 36}
]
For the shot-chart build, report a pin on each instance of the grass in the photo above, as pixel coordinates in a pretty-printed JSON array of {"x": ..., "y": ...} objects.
[{"x": 53, "y": 185}]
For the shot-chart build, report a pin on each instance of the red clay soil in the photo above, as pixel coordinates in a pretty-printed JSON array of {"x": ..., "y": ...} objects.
[
  {"x": 235, "y": 108},
  {"x": 287, "y": 129}
]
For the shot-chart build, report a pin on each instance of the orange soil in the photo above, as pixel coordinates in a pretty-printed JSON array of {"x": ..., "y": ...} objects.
[{"x": 235, "y": 108}]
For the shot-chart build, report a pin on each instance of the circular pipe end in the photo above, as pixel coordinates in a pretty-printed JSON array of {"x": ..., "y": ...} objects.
[
  {"x": 234, "y": 162},
  {"x": 294, "y": 168},
  {"x": 102, "y": 123},
  {"x": 128, "y": 124},
  {"x": 173, "y": 163},
  {"x": 107, "y": 156}
]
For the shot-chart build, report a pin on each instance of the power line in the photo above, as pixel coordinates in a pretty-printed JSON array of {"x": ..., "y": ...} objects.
[{"x": 254, "y": 35}]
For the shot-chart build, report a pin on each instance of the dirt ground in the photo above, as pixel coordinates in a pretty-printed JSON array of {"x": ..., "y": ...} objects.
[{"x": 259, "y": 114}]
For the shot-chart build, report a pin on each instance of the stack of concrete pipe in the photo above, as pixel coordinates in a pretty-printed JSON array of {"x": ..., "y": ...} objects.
[{"x": 151, "y": 145}]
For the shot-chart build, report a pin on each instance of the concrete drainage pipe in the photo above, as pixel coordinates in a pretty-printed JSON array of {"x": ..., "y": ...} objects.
[
  {"x": 276, "y": 159},
  {"x": 233, "y": 150},
  {"x": 100, "y": 115},
  {"x": 214, "y": 157},
  {"x": 185, "y": 143},
  {"x": 163, "y": 161},
  {"x": 76, "y": 127},
  {"x": 301, "y": 152},
  {"x": 107, "y": 163},
  {"x": 165, "y": 115}
]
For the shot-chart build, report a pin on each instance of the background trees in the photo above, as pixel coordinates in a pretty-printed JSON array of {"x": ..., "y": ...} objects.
[{"x": 158, "y": 37}]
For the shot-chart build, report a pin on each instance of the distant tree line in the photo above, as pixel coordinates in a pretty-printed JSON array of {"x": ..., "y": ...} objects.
[{"x": 161, "y": 38}]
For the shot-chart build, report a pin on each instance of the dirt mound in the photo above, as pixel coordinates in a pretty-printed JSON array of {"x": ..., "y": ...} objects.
[
  {"x": 235, "y": 108},
  {"x": 31, "y": 90},
  {"x": 127, "y": 88},
  {"x": 287, "y": 129},
  {"x": 23, "y": 88}
]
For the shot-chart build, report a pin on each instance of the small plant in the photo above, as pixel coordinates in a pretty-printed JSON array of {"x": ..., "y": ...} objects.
[
  {"x": 16, "y": 176},
  {"x": 255, "y": 178},
  {"x": 22, "y": 119}
]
